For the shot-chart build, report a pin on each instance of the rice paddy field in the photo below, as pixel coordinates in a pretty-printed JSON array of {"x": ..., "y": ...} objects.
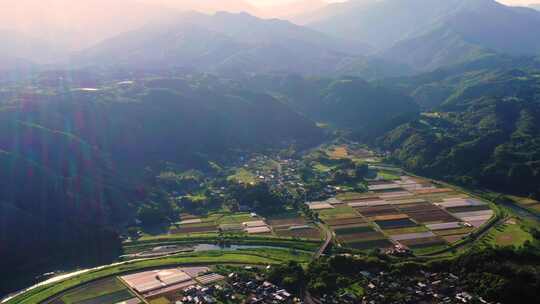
[
  {"x": 291, "y": 225},
  {"x": 404, "y": 210},
  {"x": 295, "y": 226}
]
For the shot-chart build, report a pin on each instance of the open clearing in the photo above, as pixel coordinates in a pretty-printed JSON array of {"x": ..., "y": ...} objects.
[
  {"x": 511, "y": 233},
  {"x": 338, "y": 152}
]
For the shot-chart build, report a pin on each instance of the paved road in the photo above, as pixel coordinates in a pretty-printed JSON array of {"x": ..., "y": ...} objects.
[
  {"x": 328, "y": 240},
  {"x": 308, "y": 299}
]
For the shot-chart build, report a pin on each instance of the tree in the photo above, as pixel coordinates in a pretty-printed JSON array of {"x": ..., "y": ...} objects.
[
  {"x": 150, "y": 214},
  {"x": 133, "y": 232},
  {"x": 291, "y": 276},
  {"x": 361, "y": 170}
]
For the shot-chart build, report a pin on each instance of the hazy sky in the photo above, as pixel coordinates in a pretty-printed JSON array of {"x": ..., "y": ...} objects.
[{"x": 267, "y": 2}]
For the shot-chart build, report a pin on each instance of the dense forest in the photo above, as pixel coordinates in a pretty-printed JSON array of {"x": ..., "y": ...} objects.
[
  {"x": 72, "y": 173},
  {"x": 485, "y": 133}
]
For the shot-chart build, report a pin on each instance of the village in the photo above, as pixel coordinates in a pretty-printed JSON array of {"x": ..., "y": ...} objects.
[
  {"x": 432, "y": 288},
  {"x": 332, "y": 201},
  {"x": 426, "y": 287}
]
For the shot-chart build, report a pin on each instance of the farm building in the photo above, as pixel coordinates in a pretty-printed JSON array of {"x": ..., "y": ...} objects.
[{"x": 159, "y": 283}]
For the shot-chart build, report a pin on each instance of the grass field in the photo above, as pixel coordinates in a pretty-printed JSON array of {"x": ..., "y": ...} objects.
[
  {"x": 243, "y": 176},
  {"x": 429, "y": 249},
  {"x": 355, "y": 289},
  {"x": 337, "y": 213},
  {"x": 387, "y": 175},
  {"x": 252, "y": 257},
  {"x": 239, "y": 239},
  {"x": 322, "y": 168},
  {"x": 511, "y": 233},
  {"x": 160, "y": 301},
  {"x": 96, "y": 290}
]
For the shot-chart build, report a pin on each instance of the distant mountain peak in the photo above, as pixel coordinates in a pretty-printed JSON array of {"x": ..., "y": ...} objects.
[{"x": 430, "y": 34}]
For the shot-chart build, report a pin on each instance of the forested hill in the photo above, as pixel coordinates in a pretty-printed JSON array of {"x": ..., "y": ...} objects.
[
  {"x": 348, "y": 103},
  {"x": 431, "y": 89},
  {"x": 70, "y": 157},
  {"x": 486, "y": 132}
]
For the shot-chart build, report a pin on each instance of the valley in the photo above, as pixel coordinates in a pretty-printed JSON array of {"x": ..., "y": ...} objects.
[
  {"x": 379, "y": 209},
  {"x": 248, "y": 152}
]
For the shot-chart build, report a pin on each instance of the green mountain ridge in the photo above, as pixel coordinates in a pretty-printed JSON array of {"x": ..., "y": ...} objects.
[
  {"x": 349, "y": 102},
  {"x": 73, "y": 162},
  {"x": 485, "y": 134}
]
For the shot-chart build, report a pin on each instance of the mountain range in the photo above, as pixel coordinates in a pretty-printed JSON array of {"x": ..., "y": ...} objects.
[
  {"x": 431, "y": 34},
  {"x": 367, "y": 38},
  {"x": 224, "y": 42},
  {"x": 535, "y": 6}
]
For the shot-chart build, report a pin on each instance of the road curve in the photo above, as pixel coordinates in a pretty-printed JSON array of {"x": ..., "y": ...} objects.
[
  {"x": 327, "y": 241},
  {"x": 308, "y": 299}
]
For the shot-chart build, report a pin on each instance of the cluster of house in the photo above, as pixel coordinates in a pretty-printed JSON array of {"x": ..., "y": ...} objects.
[
  {"x": 285, "y": 173},
  {"x": 425, "y": 288},
  {"x": 200, "y": 295},
  {"x": 260, "y": 291}
]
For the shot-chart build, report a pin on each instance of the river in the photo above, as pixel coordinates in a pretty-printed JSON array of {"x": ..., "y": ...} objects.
[{"x": 193, "y": 248}]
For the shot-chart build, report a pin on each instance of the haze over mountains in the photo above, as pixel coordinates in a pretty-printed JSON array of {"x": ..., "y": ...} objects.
[
  {"x": 431, "y": 34},
  {"x": 389, "y": 37},
  {"x": 225, "y": 42},
  {"x": 95, "y": 92}
]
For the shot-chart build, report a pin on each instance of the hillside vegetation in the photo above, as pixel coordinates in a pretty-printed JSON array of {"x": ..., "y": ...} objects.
[
  {"x": 73, "y": 162},
  {"x": 486, "y": 132}
]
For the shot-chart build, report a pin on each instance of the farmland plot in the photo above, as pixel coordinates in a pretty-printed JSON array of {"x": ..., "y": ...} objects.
[{"x": 402, "y": 223}]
